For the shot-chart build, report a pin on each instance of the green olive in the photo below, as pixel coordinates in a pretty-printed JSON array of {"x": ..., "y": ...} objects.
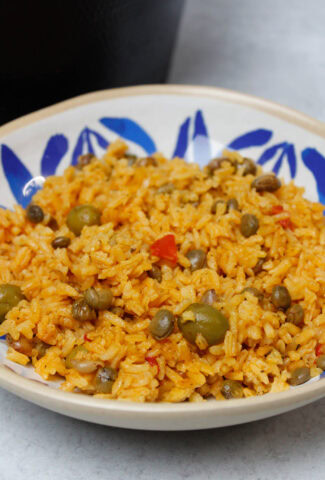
[
  {"x": 146, "y": 162},
  {"x": 249, "y": 225},
  {"x": 281, "y": 297},
  {"x": 10, "y": 296},
  {"x": 84, "y": 366},
  {"x": 34, "y": 213},
  {"x": 80, "y": 349},
  {"x": 84, "y": 160},
  {"x": 205, "y": 320},
  {"x": 197, "y": 259},
  {"x": 215, "y": 206},
  {"x": 162, "y": 324},
  {"x": 254, "y": 291},
  {"x": 209, "y": 297},
  {"x": 80, "y": 364},
  {"x": 259, "y": 265},
  {"x": 249, "y": 167},
  {"x": 232, "y": 204},
  {"x": 232, "y": 389},
  {"x": 295, "y": 314},
  {"x": 217, "y": 163},
  {"x": 299, "y": 376},
  {"x": 4, "y": 309},
  {"x": 82, "y": 311},
  {"x": 166, "y": 188},
  {"x": 22, "y": 345},
  {"x": 98, "y": 298},
  {"x": 267, "y": 182},
  {"x": 320, "y": 362},
  {"x": 81, "y": 216},
  {"x": 155, "y": 273},
  {"x": 61, "y": 242},
  {"x": 104, "y": 379}
]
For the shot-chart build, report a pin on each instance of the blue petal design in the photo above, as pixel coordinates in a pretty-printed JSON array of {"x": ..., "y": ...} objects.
[
  {"x": 316, "y": 164},
  {"x": 77, "y": 151},
  {"x": 288, "y": 152},
  {"x": 199, "y": 125},
  {"x": 278, "y": 163},
  {"x": 56, "y": 148},
  {"x": 291, "y": 156},
  {"x": 269, "y": 153},
  {"x": 182, "y": 139},
  {"x": 17, "y": 175},
  {"x": 202, "y": 151},
  {"x": 256, "y": 138},
  {"x": 102, "y": 142},
  {"x": 85, "y": 138},
  {"x": 89, "y": 143},
  {"x": 130, "y": 130}
]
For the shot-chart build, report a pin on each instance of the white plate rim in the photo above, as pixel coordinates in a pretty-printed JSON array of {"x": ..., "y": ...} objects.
[{"x": 272, "y": 108}]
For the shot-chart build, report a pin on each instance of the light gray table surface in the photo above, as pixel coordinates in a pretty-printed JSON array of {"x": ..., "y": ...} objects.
[{"x": 270, "y": 48}]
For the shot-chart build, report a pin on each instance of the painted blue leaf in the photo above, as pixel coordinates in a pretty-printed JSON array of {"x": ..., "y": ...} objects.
[
  {"x": 77, "y": 151},
  {"x": 291, "y": 156},
  {"x": 270, "y": 152},
  {"x": 316, "y": 164},
  {"x": 199, "y": 125},
  {"x": 278, "y": 163},
  {"x": 56, "y": 148},
  {"x": 85, "y": 139},
  {"x": 201, "y": 147},
  {"x": 90, "y": 147},
  {"x": 102, "y": 142},
  {"x": 288, "y": 152},
  {"x": 130, "y": 130},
  {"x": 182, "y": 139},
  {"x": 256, "y": 138},
  {"x": 16, "y": 174}
]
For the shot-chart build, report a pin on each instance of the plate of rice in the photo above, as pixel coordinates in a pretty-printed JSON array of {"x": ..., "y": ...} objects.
[{"x": 162, "y": 253}]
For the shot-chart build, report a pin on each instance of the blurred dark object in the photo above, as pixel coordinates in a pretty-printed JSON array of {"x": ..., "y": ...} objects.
[{"x": 53, "y": 50}]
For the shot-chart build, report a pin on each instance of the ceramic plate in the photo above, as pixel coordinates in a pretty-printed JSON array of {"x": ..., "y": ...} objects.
[{"x": 192, "y": 122}]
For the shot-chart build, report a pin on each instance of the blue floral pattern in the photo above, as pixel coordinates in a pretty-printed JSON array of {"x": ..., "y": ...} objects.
[{"x": 23, "y": 185}]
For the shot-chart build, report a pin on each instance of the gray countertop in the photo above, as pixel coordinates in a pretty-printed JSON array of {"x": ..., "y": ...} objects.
[{"x": 274, "y": 49}]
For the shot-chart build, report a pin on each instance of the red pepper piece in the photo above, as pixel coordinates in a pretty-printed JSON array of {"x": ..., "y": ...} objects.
[
  {"x": 286, "y": 223},
  {"x": 152, "y": 362},
  {"x": 276, "y": 209},
  {"x": 165, "y": 248},
  {"x": 319, "y": 349},
  {"x": 86, "y": 338}
]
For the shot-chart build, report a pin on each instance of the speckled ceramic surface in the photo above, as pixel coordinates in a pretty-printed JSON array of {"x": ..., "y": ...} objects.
[{"x": 192, "y": 122}]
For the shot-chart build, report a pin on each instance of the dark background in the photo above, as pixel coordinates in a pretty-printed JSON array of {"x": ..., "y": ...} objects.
[{"x": 54, "y": 50}]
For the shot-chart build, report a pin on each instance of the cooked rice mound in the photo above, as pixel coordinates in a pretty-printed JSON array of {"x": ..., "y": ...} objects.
[{"x": 260, "y": 349}]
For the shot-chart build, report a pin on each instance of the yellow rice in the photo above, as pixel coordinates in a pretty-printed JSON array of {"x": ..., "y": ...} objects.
[{"x": 260, "y": 348}]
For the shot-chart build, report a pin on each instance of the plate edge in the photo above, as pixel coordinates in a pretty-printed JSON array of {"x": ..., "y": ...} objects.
[{"x": 272, "y": 108}]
